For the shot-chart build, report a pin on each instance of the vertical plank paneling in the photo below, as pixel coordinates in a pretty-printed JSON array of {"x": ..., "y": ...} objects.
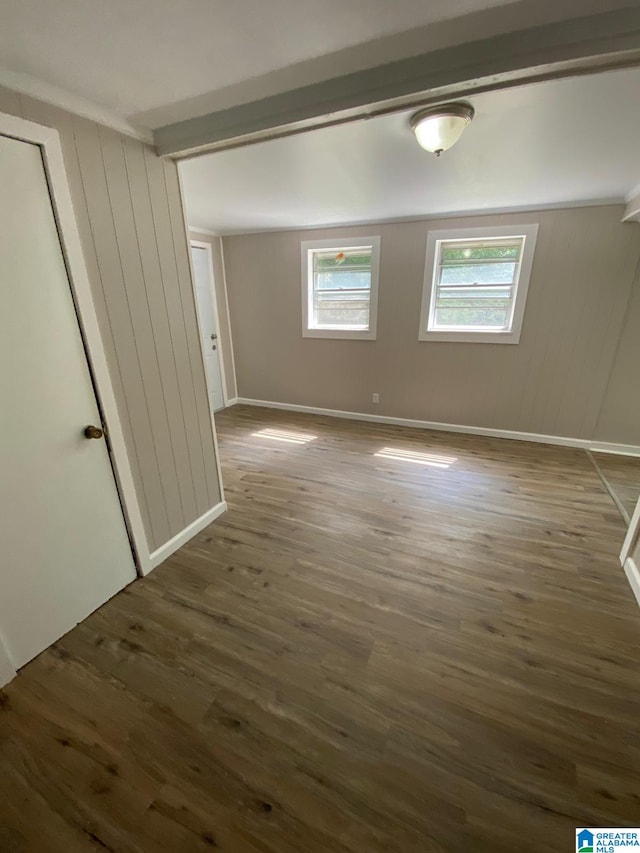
[
  {"x": 177, "y": 327},
  {"x": 123, "y": 330},
  {"x": 129, "y": 253},
  {"x": 156, "y": 300},
  {"x": 196, "y": 361}
]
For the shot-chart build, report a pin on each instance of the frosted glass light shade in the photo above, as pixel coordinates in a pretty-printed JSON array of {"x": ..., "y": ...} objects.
[{"x": 438, "y": 128}]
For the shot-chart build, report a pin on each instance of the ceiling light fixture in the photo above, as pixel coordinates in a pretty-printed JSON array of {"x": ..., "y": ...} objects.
[{"x": 438, "y": 128}]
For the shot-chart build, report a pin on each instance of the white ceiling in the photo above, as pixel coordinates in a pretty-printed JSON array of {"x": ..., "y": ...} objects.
[
  {"x": 134, "y": 56},
  {"x": 568, "y": 141},
  {"x": 141, "y": 64}
]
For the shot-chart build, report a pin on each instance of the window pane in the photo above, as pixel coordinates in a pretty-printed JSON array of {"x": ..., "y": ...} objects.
[
  {"x": 479, "y": 251},
  {"x": 341, "y": 288},
  {"x": 496, "y": 273},
  {"x": 341, "y": 309},
  {"x": 466, "y": 307},
  {"x": 342, "y": 259},
  {"x": 475, "y": 289},
  {"x": 343, "y": 279},
  {"x": 351, "y": 316}
]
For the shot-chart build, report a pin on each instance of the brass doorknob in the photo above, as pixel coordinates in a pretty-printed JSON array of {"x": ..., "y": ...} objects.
[{"x": 93, "y": 432}]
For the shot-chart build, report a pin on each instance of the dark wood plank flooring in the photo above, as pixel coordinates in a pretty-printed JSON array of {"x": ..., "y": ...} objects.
[{"x": 365, "y": 654}]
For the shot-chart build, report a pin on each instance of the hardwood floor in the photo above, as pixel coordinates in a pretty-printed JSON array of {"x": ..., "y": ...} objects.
[{"x": 430, "y": 650}]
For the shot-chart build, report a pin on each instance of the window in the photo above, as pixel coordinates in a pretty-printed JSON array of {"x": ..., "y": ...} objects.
[
  {"x": 340, "y": 288},
  {"x": 476, "y": 282}
]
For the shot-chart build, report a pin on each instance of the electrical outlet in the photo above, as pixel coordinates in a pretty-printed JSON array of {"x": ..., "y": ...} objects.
[{"x": 376, "y": 398}]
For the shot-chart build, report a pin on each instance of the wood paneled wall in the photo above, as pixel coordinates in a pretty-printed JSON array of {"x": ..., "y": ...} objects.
[
  {"x": 129, "y": 211},
  {"x": 553, "y": 382}
]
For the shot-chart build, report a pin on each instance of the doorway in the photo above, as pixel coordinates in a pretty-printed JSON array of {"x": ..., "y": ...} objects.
[{"x": 207, "y": 308}]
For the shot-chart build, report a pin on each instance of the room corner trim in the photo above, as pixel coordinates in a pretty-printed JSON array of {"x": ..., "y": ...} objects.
[
  {"x": 233, "y": 401},
  {"x": 164, "y": 551},
  {"x": 7, "y": 669},
  {"x": 632, "y": 572}
]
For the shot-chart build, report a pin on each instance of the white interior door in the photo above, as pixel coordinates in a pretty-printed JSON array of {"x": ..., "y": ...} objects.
[
  {"x": 65, "y": 548},
  {"x": 207, "y": 315}
]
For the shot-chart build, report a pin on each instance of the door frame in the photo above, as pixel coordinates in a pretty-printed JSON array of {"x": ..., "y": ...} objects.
[
  {"x": 200, "y": 244},
  {"x": 48, "y": 140},
  {"x": 627, "y": 561},
  {"x": 633, "y": 535}
]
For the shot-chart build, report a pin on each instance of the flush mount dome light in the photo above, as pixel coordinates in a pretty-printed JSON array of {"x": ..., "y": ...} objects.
[{"x": 438, "y": 128}]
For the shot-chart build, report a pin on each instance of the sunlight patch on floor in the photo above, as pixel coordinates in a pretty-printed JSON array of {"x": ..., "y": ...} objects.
[
  {"x": 434, "y": 460},
  {"x": 284, "y": 435}
]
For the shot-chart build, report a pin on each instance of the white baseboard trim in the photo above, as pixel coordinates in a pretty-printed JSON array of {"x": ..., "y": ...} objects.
[
  {"x": 434, "y": 425},
  {"x": 566, "y": 441},
  {"x": 609, "y": 447},
  {"x": 232, "y": 401},
  {"x": 632, "y": 572},
  {"x": 164, "y": 551}
]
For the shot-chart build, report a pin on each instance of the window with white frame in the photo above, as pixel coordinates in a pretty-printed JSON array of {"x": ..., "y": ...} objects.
[
  {"x": 476, "y": 282},
  {"x": 340, "y": 288}
]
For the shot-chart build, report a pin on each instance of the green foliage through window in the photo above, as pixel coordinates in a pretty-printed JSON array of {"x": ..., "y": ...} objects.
[{"x": 474, "y": 283}]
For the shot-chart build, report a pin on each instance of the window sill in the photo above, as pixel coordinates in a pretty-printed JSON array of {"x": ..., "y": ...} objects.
[
  {"x": 471, "y": 337},
  {"x": 344, "y": 334}
]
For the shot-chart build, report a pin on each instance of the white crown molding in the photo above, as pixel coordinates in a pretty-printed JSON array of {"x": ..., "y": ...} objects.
[
  {"x": 428, "y": 217},
  {"x": 57, "y": 97},
  {"x": 195, "y": 229}
]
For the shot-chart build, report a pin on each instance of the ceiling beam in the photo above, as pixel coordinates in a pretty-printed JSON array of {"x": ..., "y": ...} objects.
[{"x": 583, "y": 45}]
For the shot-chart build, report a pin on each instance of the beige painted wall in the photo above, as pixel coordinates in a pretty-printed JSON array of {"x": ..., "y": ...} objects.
[
  {"x": 619, "y": 419},
  {"x": 129, "y": 211},
  {"x": 223, "y": 308},
  {"x": 552, "y": 383}
]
